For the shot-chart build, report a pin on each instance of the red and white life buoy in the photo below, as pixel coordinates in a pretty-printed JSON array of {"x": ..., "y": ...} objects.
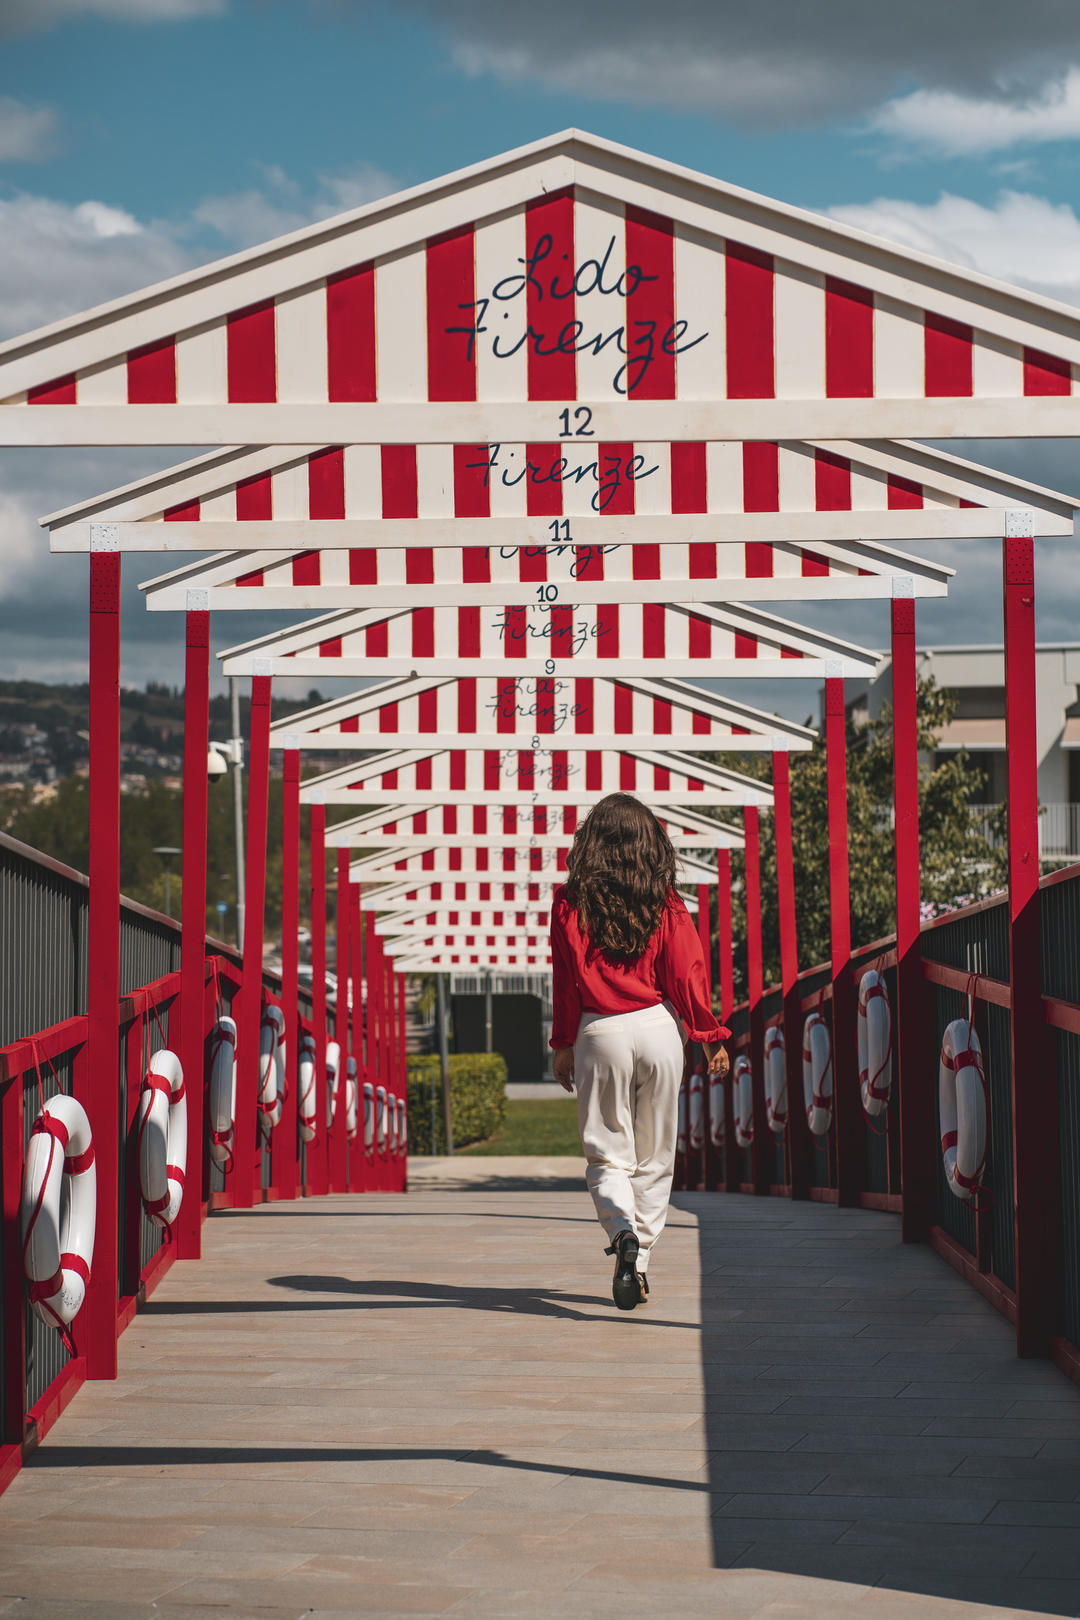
[
  {"x": 161, "y": 1138},
  {"x": 222, "y": 1103},
  {"x": 391, "y": 1111},
  {"x": 875, "y": 1043},
  {"x": 681, "y": 1125},
  {"x": 351, "y": 1099},
  {"x": 369, "y": 1118},
  {"x": 402, "y": 1128},
  {"x": 271, "y": 1098},
  {"x": 333, "y": 1080},
  {"x": 817, "y": 1074},
  {"x": 380, "y": 1119},
  {"x": 697, "y": 1111},
  {"x": 776, "y": 1098},
  {"x": 58, "y": 1215},
  {"x": 743, "y": 1081},
  {"x": 306, "y": 1070},
  {"x": 963, "y": 1107}
]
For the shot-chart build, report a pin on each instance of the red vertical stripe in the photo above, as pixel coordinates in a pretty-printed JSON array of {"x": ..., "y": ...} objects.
[
  {"x": 326, "y": 483},
  {"x": 388, "y": 718},
  {"x": 623, "y": 699},
  {"x": 615, "y": 491},
  {"x": 61, "y": 391},
  {"x": 607, "y": 630},
  {"x": 515, "y": 632},
  {"x": 457, "y": 773},
  {"x": 350, "y": 335},
  {"x": 745, "y": 646},
  {"x": 428, "y": 710},
  {"x": 749, "y": 322},
  {"x": 699, "y": 637},
  {"x": 376, "y": 639},
  {"x": 330, "y": 648},
  {"x": 627, "y": 772},
  {"x": 832, "y": 482},
  {"x": 761, "y": 493},
  {"x": 594, "y": 773},
  {"x": 399, "y": 484},
  {"x": 549, "y": 230},
  {"x": 251, "y": 357},
  {"x": 184, "y": 512},
  {"x": 451, "y": 293},
  {"x": 151, "y": 374},
  {"x": 650, "y": 306},
  {"x": 254, "y": 504},
  {"x": 468, "y": 631},
  {"x": 689, "y": 483},
  {"x": 423, "y": 633},
  {"x": 1046, "y": 373},
  {"x": 947, "y": 357},
  {"x": 849, "y": 340},
  {"x": 904, "y": 494},
  {"x": 584, "y": 699},
  {"x": 543, "y": 494},
  {"x": 466, "y": 704},
  {"x": 653, "y": 623},
  {"x": 364, "y": 570}
]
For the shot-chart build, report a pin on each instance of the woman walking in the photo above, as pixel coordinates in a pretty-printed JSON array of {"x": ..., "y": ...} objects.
[{"x": 630, "y": 987}]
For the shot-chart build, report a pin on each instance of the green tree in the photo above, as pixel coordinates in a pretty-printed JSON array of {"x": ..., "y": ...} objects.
[{"x": 957, "y": 863}]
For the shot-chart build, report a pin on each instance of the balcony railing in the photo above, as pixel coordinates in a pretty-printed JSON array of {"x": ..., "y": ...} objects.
[{"x": 1059, "y": 829}]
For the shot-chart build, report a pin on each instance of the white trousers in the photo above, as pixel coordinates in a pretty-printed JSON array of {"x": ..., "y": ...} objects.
[{"x": 627, "y": 1069}]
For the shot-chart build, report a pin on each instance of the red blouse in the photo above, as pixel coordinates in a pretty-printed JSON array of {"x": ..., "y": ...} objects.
[{"x": 671, "y": 968}]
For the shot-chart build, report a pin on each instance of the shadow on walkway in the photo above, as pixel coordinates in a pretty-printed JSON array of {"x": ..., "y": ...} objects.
[{"x": 867, "y": 1419}]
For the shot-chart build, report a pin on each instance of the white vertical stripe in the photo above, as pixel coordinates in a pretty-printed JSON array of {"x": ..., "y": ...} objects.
[
  {"x": 799, "y": 302},
  {"x": 511, "y": 500},
  {"x": 300, "y": 319},
  {"x": 869, "y": 489},
  {"x": 899, "y": 350},
  {"x": 289, "y": 491},
  {"x": 997, "y": 367},
  {"x": 699, "y": 300},
  {"x": 652, "y": 493},
  {"x": 219, "y": 507},
  {"x": 363, "y": 481},
  {"x": 103, "y": 385},
  {"x": 796, "y": 479},
  {"x": 401, "y": 326},
  {"x": 724, "y": 476},
  {"x": 600, "y": 313},
  {"x": 435, "y": 480},
  {"x": 500, "y": 252},
  {"x": 201, "y": 368}
]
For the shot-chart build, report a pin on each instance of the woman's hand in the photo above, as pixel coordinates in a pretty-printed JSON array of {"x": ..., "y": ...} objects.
[
  {"x": 719, "y": 1062},
  {"x": 563, "y": 1066}
]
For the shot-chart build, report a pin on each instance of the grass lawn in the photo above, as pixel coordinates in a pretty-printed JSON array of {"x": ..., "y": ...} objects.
[{"x": 541, "y": 1127}]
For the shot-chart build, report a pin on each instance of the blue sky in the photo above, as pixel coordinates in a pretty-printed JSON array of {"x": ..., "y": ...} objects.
[{"x": 140, "y": 136}]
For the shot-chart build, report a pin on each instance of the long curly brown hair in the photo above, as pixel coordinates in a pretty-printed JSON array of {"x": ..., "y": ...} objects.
[{"x": 619, "y": 875}]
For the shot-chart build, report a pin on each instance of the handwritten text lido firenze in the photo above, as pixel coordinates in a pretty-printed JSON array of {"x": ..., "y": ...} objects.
[{"x": 637, "y": 341}]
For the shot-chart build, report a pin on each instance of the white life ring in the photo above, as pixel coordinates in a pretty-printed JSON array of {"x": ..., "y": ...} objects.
[
  {"x": 680, "y": 1139},
  {"x": 58, "y": 1216},
  {"x": 380, "y": 1119},
  {"x": 696, "y": 1111},
  {"x": 402, "y": 1128},
  {"x": 161, "y": 1138},
  {"x": 391, "y": 1108},
  {"x": 962, "y": 1109},
  {"x": 333, "y": 1080},
  {"x": 717, "y": 1122},
  {"x": 743, "y": 1080},
  {"x": 369, "y": 1118},
  {"x": 776, "y": 1097},
  {"x": 875, "y": 1043},
  {"x": 817, "y": 1074},
  {"x": 222, "y": 1109},
  {"x": 270, "y": 1101},
  {"x": 350, "y": 1097},
  {"x": 305, "y": 1087}
]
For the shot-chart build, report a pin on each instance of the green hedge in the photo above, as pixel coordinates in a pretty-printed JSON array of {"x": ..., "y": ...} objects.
[{"x": 477, "y": 1099}]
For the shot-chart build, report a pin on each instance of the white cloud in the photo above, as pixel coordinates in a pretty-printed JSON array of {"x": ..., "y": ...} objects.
[
  {"x": 30, "y": 16},
  {"x": 258, "y": 214},
  {"x": 1019, "y": 237},
  {"x": 964, "y": 126},
  {"x": 27, "y": 134}
]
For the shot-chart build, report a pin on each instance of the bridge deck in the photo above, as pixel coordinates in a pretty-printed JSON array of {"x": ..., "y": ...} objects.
[{"x": 429, "y": 1406}]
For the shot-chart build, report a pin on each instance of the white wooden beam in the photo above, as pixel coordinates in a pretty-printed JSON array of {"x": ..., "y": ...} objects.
[
  {"x": 291, "y": 534},
  {"x": 515, "y": 422}
]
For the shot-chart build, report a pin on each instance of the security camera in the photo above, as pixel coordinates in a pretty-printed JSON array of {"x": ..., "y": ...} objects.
[{"x": 216, "y": 764}]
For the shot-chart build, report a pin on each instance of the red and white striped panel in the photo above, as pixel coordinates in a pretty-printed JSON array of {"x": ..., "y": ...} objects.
[
  {"x": 536, "y": 301},
  {"x": 549, "y": 707},
  {"x": 515, "y": 770},
  {"x": 444, "y": 918}
]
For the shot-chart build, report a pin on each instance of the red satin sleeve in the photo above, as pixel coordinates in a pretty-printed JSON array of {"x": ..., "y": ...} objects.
[
  {"x": 681, "y": 975},
  {"x": 565, "y": 995}
]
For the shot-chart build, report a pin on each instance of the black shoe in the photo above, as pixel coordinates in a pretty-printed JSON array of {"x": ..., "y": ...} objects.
[{"x": 624, "y": 1285}]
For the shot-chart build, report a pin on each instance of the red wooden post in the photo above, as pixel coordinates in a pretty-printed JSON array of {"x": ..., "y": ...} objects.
[
  {"x": 13, "y": 1315},
  {"x": 359, "y": 1172},
  {"x": 97, "y": 1323},
  {"x": 850, "y": 1130},
  {"x": 318, "y": 1159},
  {"x": 403, "y": 1072},
  {"x": 339, "y": 1177},
  {"x": 800, "y": 1145},
  {"x": 286, "y": 1137},
  {"x": 1036, "y": 1166},
  {"x": 193, "y": 916},
  {"x": 246, "y": 1134},
  {"x": 725, "y": 950},
  {"x": 914, "y": 1058},
  {"x": 755, "y": 984},
  {"x": 705, "y": 936},
  {"x": 368, "y": 1028}
]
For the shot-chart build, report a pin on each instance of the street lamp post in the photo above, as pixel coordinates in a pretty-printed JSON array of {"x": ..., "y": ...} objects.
[{"x": 167, "y": 851}]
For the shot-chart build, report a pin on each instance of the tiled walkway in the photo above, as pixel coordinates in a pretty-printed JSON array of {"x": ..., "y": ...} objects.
[{"x": 428, "y": 1406}]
